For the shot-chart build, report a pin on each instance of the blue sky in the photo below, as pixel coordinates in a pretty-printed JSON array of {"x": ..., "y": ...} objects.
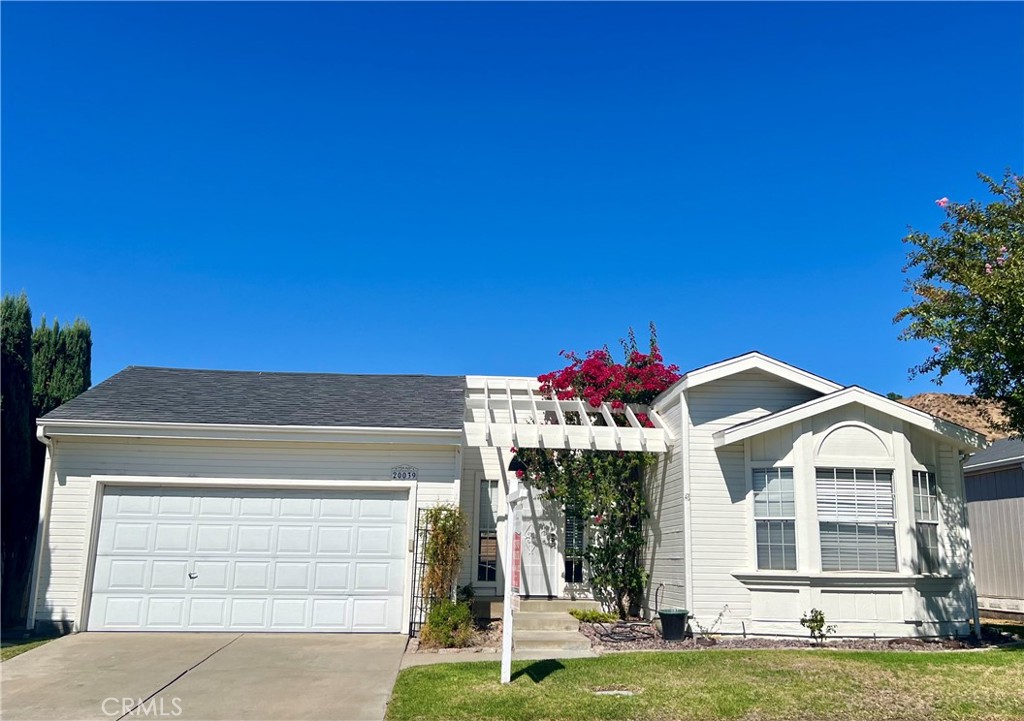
[{"x": 469, "y": 188}]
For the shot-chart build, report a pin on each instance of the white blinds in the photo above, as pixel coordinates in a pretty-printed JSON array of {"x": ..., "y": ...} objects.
[
  {"x": 855, "y": 494},
  {"x": 856, "y": 519}
]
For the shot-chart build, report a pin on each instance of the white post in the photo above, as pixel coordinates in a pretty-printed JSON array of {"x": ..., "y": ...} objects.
[{"x": 506, "y": 622}]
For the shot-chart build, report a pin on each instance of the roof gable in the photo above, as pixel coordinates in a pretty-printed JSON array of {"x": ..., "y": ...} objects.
[
  {"x": 187, "y": 396},
  {"x": 962, "y": 437},
  {"x": 746, "y": 362}
]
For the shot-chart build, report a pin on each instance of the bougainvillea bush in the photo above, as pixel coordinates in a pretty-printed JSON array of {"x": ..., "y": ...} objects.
[{"x": 605, "y": 488}]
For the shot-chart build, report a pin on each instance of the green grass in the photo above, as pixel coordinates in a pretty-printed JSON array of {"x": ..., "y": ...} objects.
[
  {"x": 10, "y": 650},
  {"x": 762, "y": 685}
]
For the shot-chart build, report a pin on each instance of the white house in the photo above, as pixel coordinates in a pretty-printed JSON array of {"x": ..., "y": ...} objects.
[{"x": 216, "y": 500}]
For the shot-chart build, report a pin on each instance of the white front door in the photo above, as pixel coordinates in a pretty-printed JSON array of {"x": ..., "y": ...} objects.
[
  {"x": 541, "y": 528},
  {"x": 176, "y": 559}
]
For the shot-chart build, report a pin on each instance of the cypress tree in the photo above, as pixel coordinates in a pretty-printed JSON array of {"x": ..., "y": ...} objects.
[{"x": 16, "y": 429}]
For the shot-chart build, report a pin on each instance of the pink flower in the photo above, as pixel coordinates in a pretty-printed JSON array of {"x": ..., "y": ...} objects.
[
  {"x": 597, "y": 519},
  {"x": 513, "y": 449},
  {"x": 988, "y": 269},
  {"x": 1003, "y": 249},
  {"x": 942, "y": 202},
  {"x": 520, "y": 473}
]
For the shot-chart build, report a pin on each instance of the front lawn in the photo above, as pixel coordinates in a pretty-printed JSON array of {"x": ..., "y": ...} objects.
[
  {"x": 14, "y": 648},
  {"x": 759, "y": 685}
]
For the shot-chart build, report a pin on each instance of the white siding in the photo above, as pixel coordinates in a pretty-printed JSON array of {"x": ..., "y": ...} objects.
[
  {"x": 77, "y": 460},
  {"x": 479, "y": 464},
  {"x": 721, "y": 533},
  {"x": 665, "y": 553}
]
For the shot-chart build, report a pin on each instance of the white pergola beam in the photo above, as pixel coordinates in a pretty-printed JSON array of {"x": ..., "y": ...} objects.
[{"x": 534, "y": 422}]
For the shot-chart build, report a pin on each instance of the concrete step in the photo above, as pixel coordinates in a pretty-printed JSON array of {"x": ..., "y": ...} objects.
[
  {"x": 545, "y": 621},
  {"x": 488, "y": 608},
  {"x": 552, "y": 605},
  {"x": 550, "y": 641}
]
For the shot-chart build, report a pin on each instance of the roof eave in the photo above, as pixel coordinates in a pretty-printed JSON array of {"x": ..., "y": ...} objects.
[
  {"x": 244, "y": 432},
  {"x": 963, "y": 438}
]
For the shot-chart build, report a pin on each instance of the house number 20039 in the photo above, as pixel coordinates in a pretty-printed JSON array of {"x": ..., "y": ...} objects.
[{"x": 404, "y": 473}]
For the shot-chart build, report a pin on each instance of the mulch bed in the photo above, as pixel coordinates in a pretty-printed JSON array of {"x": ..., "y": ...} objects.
[
  {"x": 486, "y": 640},
  {"x": 632, "y": 636}
]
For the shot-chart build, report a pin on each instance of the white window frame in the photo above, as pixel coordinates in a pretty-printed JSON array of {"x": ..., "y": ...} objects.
[
  {"x": 932, "y": 520},
  {"x": 876, "y": 520},
  {"x": 753, "y": 471},
  {"x": 479, "y": 480}
]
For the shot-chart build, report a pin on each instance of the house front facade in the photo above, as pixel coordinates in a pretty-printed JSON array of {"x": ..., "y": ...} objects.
[{"x": 210, "y": 500}]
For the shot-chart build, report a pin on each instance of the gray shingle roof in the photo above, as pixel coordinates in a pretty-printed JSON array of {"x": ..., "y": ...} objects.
[
  {"x": 1008, "y": 449},
  {"x": 181, "y": 395}
]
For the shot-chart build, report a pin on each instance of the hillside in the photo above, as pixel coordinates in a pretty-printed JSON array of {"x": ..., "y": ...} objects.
[{"x": 978, "y": 415}]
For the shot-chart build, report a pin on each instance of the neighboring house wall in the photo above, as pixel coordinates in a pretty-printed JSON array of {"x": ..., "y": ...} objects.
[
  {"x": 995, "y": 503},
  {"x": 75, "y": 461}
]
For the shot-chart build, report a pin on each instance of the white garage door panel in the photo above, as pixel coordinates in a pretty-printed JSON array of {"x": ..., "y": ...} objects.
[{"x": 226, "y": 560}]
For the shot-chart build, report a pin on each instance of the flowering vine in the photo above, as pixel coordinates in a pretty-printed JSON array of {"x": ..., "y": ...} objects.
[{"x": 604, "y": 488}]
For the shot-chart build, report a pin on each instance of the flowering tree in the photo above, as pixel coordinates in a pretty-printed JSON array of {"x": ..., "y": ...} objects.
[
  {"x": 604, "y": 488},
  {"x": 968, "y": 295}
]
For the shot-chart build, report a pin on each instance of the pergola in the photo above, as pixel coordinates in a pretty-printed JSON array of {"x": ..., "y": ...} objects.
[{"x": 504, "y": 412}]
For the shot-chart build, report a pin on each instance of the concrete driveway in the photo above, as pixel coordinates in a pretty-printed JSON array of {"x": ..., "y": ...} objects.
[{"x": 203, "y": 676}]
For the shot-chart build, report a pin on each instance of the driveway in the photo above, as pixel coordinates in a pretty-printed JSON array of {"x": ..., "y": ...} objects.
[{"x": 203, "y": 676}]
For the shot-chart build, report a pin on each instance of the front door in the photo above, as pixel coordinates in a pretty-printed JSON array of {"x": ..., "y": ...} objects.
[{"x": 541, "y": 529}]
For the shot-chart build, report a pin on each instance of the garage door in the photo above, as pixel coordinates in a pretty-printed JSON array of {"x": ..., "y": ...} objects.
[{"x": 249, "y": 560}]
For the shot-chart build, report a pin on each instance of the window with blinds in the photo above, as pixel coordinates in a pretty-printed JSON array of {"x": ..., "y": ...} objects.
[
  {"x": 774, "y": 518},
  {"x": 487, "y": 540},
  {"x": 926, "y": 521},
  {"x": 856, "y": 519}
]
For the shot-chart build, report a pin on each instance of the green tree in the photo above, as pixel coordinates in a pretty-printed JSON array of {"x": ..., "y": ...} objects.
[
  {"x": 968, "y": 295},
  {"x": 61, "y": 364},
  {"x": 16, "y": 443},
  {"x": 41, "y": 369},
  {"x": 61, "y": 370}
]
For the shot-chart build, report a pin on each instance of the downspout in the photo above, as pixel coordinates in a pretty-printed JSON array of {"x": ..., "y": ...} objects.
[{"x": 45, "y": 498}]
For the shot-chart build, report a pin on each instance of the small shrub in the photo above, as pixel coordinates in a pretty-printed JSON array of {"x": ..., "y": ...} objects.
[
  {"x": 707, "y": 633},
  {"x": 443, "y": 551},
  {"x": 589, "y": 615},
  {"x": 815, "y": 623},
  {"x": 449, "y": 625}
]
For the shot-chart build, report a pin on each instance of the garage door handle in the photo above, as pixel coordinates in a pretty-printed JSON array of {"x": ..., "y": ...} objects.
[{"x": 193, "y": 576}]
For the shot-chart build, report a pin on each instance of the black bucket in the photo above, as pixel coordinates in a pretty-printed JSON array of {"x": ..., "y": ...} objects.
[{"x": 673, "y": 623}]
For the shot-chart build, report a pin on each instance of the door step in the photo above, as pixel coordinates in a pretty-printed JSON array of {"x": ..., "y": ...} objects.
[
  {"x": 545, "y": 625},
  {"x": 551, "y": 605},
  {"x": 550, "y": 641},
  {"x": 545, "y": 621}
]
